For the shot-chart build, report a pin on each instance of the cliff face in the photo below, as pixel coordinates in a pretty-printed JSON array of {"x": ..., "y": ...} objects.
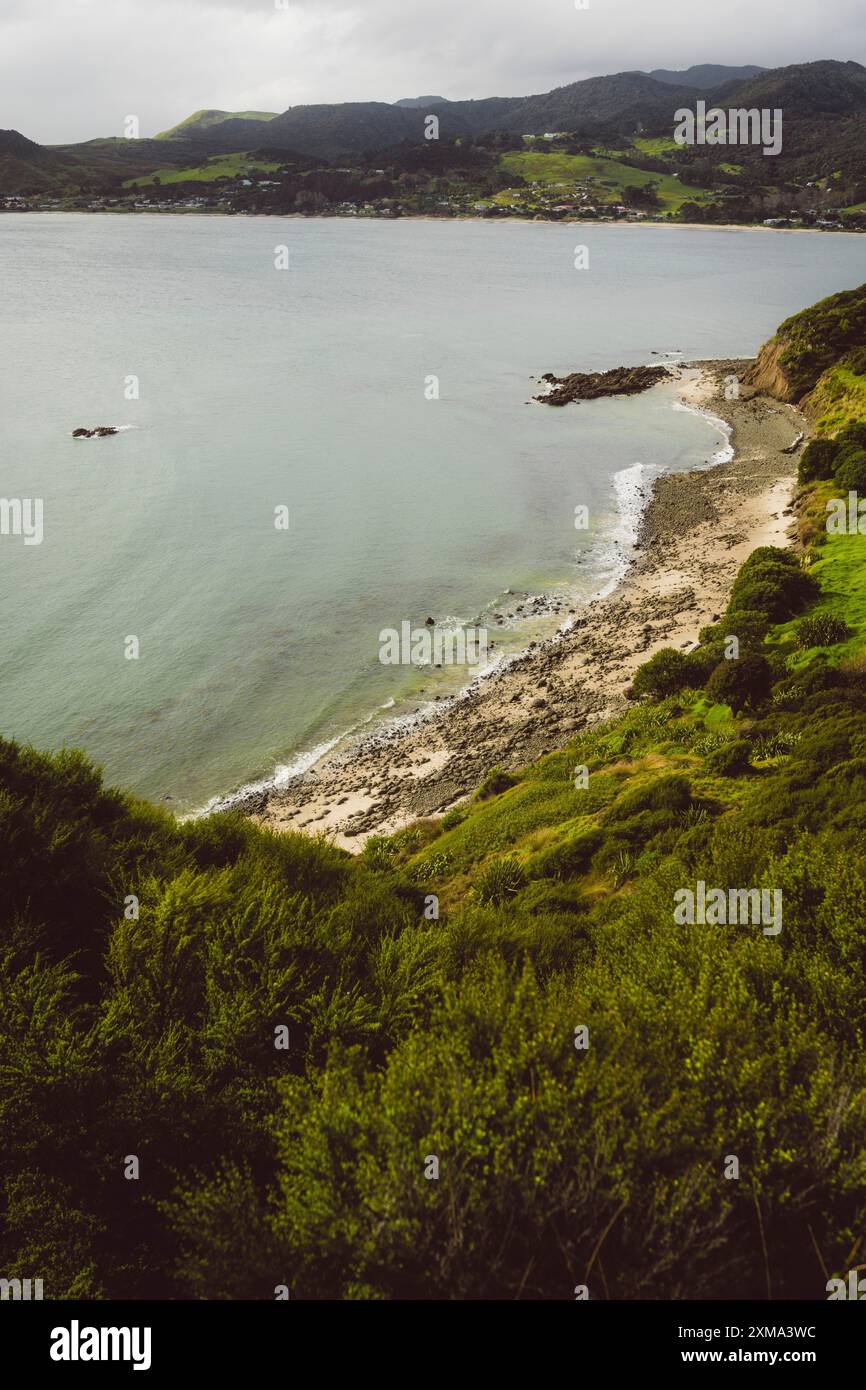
[
  {"x": 768, "y": 375},
  {"x": 817, "y": 359}
]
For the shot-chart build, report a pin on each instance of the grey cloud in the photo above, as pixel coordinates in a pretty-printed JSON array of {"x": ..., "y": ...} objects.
[{"x": 73, "y": 72}]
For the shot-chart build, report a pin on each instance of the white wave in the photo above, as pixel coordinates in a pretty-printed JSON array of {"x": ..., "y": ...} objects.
[
  {"x": 726, "y": 453},
  {"x": 633, "y": 489},
  {"x": 280, "y": 777}
]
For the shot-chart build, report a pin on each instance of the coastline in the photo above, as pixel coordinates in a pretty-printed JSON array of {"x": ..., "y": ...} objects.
[
  {"x": 430, "y": 217},
  {"x": 695, "y": 531}
]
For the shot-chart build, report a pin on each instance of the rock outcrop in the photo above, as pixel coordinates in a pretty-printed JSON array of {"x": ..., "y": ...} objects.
[
  {"x": 588, "y": 386},
  {"x": 767, "y": 374}
]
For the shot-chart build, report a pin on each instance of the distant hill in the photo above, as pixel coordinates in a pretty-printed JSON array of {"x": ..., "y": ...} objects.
[
  {"x": 201, "y": 121},
  {"x": 825, "y": 88},
  {"x": 824, "y": 105},
  {"x": 95, "y": 166},
  {"x": 596, "y": 106},
  {"x": 12, "y": 142},
  {"x": 615, "y": 105},
  {"x": 619, "y": 104},
  {"x": 326, "y": 131},
  {"x": 704, "y": 75},
  {"x": 421, "y": 101},
  {"x": 26, "y": 167},
  {"x": 824, "y": 117}
]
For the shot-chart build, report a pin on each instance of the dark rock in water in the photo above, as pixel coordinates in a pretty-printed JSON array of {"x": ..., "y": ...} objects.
[
  {"x": 430, "y": 622},
  {"x": 103, "y": 430},
  {"x": 100, "y": 432},
  {"x": 81, "y": 434},
  {"x": 588, "y": 386}
]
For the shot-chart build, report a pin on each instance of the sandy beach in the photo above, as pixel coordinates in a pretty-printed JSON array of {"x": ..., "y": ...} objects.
[{"x": 696, "y": 531}]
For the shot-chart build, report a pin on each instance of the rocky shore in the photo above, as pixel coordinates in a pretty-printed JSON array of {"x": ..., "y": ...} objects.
[
  {"x": 590, "y": 386},
  {"x": 696, "y": 531}
]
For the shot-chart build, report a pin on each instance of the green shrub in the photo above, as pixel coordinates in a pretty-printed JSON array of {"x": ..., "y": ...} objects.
[
  {"x": 840, "y": 736},
  {"x": 453, "y": 818},
  {"x": 850, "y": 472},
  {"x": 822, "y": 630},
  {"x": 776, "y": 745},
  {"x": 702, "y": 661},
  {"x": 496, "y": 781},
  {"x": 855, "y": 433},
  {"x": 379, "y": 852},
  {"x": 744, "y": 683},
  {"x": 500, "y": 881},
  {"x": 664, "y": 674},
  {"x": 818, "y": 675},
  {"x": 780, "y": 591},
  {"x": 543, "y": 896},
  {"x": 769, "y": 554},
  {"x": 668, "y": 793},
  {"x": 659, "y": 829},
  {"x": 817, "y": 460},
  {"x": 750, "y": 625},
  {"x": 569, "y": 859},
  {"x": 219, "y": 840},
  {"x": 732, "y": 759}
]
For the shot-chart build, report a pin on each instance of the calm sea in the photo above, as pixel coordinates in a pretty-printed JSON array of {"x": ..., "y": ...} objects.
[{"x": 247, "y": 388}]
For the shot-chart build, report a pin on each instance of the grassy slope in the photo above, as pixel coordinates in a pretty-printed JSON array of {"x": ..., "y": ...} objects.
[
  {"x": 841, "y": 572},
  {"x": 544, "y": 810},
  {"x": 204, "y": 120},
  {"x": 820, "y": 338},
  {"x": 568, "y": 168},
  {"x": 839, "y": 398},
  {"x": 216, "y": 167}
]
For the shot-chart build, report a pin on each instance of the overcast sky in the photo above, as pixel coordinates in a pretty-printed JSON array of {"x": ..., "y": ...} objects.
[{"x": 74, "y": 69}]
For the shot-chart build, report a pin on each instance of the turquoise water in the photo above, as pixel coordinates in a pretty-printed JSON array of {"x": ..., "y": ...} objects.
[{"x": 305, "y": 388}]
